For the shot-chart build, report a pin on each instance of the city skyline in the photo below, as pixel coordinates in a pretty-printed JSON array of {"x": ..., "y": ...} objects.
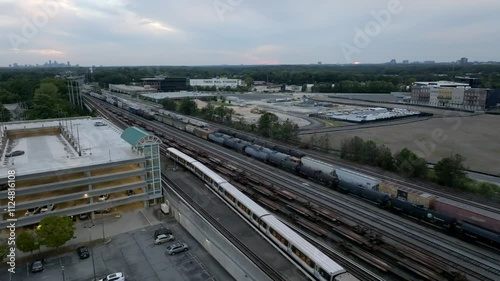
[{"x": 219, "y": 32}]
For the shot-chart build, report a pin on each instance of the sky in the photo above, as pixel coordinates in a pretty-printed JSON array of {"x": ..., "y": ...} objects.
[{"x": 215, "y": 32}]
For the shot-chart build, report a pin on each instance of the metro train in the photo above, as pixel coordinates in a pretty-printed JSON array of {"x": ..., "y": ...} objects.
[{"x": 309, "y": 257}]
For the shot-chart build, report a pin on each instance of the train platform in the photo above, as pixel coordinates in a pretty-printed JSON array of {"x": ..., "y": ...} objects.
[{"x": 218, "y": 209}]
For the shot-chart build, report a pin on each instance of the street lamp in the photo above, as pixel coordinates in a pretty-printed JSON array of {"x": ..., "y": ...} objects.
[{"x": 92, "y": 251}]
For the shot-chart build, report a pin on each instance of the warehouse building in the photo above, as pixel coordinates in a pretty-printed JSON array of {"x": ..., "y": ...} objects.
[
  {"x": 76, "y": 166},
  {"x": 158, "y": 97},
  {"x": 166, "y": 84},
  {"x": 217, "y": 82},
  {"x": 130, "y": 90}
]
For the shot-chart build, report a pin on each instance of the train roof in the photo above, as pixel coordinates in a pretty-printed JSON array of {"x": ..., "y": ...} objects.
[
  {"x": 242, "y": 198},
  {"x": 214, "y": 176},
  {"x": 305, "y": 247},
  {"x": 187, "y": 158}
]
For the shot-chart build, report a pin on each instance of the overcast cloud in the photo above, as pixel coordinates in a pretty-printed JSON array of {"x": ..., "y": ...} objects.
[{"x": 207, "y": 32}]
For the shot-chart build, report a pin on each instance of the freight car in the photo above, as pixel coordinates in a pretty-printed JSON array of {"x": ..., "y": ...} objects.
[
  {"x": 381, "y": 199},
  {"x": 448, "y": 223},
  {"x": 475, "y": 233}
]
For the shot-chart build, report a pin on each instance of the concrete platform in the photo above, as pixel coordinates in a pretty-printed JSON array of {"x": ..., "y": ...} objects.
[{"x": 204, "y": 197}]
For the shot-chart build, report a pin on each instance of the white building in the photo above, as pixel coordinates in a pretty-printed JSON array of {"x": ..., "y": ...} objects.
[{"x": 217, "y": 82}]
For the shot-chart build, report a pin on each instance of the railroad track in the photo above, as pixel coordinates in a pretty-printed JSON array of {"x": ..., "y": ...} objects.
[
  {"x": 488, "y": 206},
  {"x": 254, "y": 257},
  {"x": 190, "y": 139}
]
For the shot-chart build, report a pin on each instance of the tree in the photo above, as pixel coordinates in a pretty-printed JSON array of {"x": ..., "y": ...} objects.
[
  {"x": 249, "y": 81},
  {"x": 169, "y": 104},
  {"x": 47, "y": 103},
  {"x": 369, "y": 153},
  {"x": 384, "y": 159},
  {"x": 352, "y": 149},
  {"x": 450, "y": 171},
  {"x": 26, "y": 241},
  {"x": 55, "y": 231},
  {"x": 4, "y": 114},
  {"x": 4, "y": 251},
  {"x": 188, "y": 107},
  {"x": 265, "y": 124},
  {"x": 409, "y": 164}
]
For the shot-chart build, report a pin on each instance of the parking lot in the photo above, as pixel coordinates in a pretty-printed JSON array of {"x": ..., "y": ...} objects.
[{"x": 135, "y": 254}]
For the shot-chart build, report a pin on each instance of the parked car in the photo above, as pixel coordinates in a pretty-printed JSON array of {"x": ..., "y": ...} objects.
[
  {"x": 37, "y": 265},
  {"x": 130, "y": 192},
  {"x": 84, "y": 216},
  {"x": 83, "y": 252},
  {"x": 118, "y": 276},
  {"x": 30, "y": 212},
  {"x": 99, "y": 124},
  {"x": 104, "y": 211},
  {"x": 47, "y": 208},
  {"x": 15, "y": 153},
  {"x": 162, "y": 230},
  {"x": 163, "y": 238},
  {"x": 176, "y": 248},
  {"x": 104, "y": 197}
]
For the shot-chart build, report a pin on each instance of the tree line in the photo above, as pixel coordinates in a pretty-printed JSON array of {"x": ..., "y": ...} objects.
[
  {"x": 52, "y": 232},
  {"x": 349, "y": 86},
  {"x": 267, "y": 126},
  {"x": 449, "y": 171}
]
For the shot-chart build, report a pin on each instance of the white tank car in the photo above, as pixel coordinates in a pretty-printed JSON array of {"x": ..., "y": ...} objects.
[{"x": 343, "y": 174}]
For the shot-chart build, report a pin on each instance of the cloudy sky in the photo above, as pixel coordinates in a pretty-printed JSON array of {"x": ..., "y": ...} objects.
[{"x": 207, "y": 32}]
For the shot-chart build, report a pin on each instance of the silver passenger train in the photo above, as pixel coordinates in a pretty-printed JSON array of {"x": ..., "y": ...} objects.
[{"x": 309, "y": 257}]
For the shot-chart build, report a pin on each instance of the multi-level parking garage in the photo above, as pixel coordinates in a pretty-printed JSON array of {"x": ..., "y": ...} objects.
[{"x": 76, "y": 166}]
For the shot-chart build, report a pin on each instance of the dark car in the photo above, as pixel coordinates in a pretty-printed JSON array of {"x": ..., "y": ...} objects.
[
  {"x": 14, "y": 153},
  {"x": 130, "y": 192},
  {"x": 84, "y": 216},
  {"x": 37, "y": 266},
  {"x": 83, "y": 252},
  {"x": 162, "y": 230}
]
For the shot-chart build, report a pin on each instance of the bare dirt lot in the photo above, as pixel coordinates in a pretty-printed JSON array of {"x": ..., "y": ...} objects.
[{"x": 475, "y": 137}]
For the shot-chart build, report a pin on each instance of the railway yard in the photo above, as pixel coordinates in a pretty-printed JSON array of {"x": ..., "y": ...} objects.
[{"x": 349, "y": 230}]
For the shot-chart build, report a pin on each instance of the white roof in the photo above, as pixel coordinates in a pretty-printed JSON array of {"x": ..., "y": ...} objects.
[
  {"x": 102, "y": 144},
  {"x": 175, "y": 95},
  {"x": 186, "y": 158},
  {"x": 305, "y": 247}
]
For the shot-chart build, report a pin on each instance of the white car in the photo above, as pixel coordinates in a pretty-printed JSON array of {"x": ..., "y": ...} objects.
[
  {"x": 47, "y": 208},
  {"x": 118, "y": 276},
  {"x": 162, "y": 238}
]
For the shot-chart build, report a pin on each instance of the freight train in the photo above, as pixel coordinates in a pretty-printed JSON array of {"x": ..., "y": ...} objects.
[
  {"x": 341, "y": 179},
  {"x": 309, "y": 257}
]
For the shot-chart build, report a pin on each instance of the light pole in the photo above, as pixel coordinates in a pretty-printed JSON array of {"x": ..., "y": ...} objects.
[
  {"x": 92, "y": 251},
  {"x": 102, "y": 222},
  {"x": 62, "y": 268}
]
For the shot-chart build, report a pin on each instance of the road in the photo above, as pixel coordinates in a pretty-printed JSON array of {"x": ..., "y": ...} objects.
[{"x": 478, "y": 176}]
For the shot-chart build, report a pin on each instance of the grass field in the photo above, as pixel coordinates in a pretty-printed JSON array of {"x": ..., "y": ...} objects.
[{"x": 475, "y": 137}]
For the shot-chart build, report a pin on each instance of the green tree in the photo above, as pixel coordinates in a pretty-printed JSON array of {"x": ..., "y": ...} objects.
[
  {"x": 7, "y": 97},
  {"x": 265, "y": 123},
  {"x": 352, "y": 149},
  {"x": 169, "y": 104},
  {"x": 369, "y": 153},
  {"x": 450, "y": 171},
  {"x": 26, "y": 241},
  {"x": 47, "y": 103},
  {"x": 4, "y": 251},
  {"x": 384, "y": 158},
  {"x": 4, "y": 114},
  {"x": 55, "y": 231},
  {"x": 188, "y": 107},
  {"x": 409, "y": 164},
  {"x": 249, "y": 81}
]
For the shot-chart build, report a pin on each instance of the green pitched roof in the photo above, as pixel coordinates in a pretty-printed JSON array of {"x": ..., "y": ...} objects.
[{"x": 134, "y": 135}]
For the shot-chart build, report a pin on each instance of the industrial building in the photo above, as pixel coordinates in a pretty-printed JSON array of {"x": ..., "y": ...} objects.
[
  {"x": 75, "y": 166},
  {"x": 217, "y": 82},
  {"x": 166, "y": 84},
  {"x": 367, "y": 114},
  {"x": 454, "y": 95},
  {"x": 158, "y": 97},
  {"x": 130, "y": 90}
]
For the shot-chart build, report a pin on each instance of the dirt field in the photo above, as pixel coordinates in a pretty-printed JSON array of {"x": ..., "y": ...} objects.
[{"x": 475, "y": 137}]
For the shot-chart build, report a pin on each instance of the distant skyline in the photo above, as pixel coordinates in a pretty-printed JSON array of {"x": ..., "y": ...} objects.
[{"x": 233, "y": 32}]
